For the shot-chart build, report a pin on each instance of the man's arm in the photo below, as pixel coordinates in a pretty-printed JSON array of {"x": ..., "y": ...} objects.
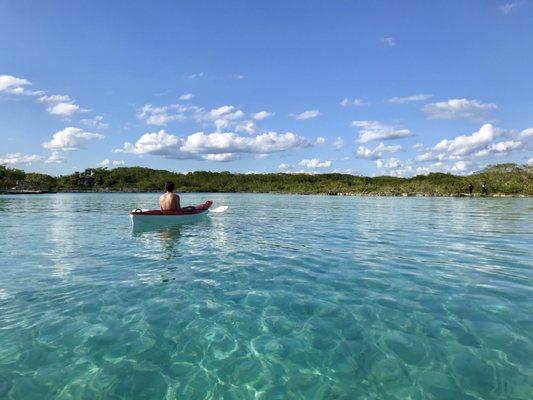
[{"x": 177, "y": 199}]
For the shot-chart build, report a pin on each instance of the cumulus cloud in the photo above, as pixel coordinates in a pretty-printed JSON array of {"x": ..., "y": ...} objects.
[
  {"x": 28, "y": 159},
  {"x": 96, "y": 123},
  {"x": 352, "y": 102},
  {"x": 70, "y": 139},
  {"x": 458, "y": 109},
  {"x": 320, "y": 140},
  {"x": 526, "y": 133},
  {"x": 315, "y": 163},
  {"x": 394, "y": 167},
  {"x": 186, "y": 96},
  {"x": 409, "y": 99},
  {"x": 221, "y": 157},
  {"x": 19, "y": 158},
  {"x": 261, "y": 115},
  {"x": 54, "y": 158},
  {"x": 59, "y": 105},
  {"x": 161, "y": 116},
  {"x": 468, "y": 144},
  {"x": 375, "y": 130},
  {"x": 12, "y": 85},
  {"x": 308, "y": 114},
  {"x": 223, "y": 118},
  {"x": 107, "y": 162},
  {"x": 338, "y": 143},
  {"x": 458, "y": 154},
  {"x": 216, "y": 146},
  {"x": 284, "y": 166},
  {"x": 377, "y": 152}
]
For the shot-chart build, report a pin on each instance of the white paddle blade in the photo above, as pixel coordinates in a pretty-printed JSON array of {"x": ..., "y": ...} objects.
[{"x": 219, "y": 209}]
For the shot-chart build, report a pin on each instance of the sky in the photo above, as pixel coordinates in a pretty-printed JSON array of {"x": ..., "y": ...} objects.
[{"x": 359, "y": 87}]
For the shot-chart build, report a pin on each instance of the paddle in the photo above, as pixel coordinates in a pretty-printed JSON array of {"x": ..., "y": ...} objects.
[{"x": 219, "y": 209}]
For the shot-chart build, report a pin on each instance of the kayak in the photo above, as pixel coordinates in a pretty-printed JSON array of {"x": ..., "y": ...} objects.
[{"x": 186, "y": 215}]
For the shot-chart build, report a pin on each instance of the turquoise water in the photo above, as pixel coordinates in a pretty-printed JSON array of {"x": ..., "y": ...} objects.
[{"x": 281, "y": 297}]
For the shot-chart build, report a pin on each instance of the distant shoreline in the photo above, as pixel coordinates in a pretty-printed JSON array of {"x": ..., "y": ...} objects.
[
  {"x": 466, "y": 195},
  {"x": 503, "y": 180}
]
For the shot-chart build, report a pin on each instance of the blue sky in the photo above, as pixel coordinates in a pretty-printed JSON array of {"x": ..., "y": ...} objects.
[{"x": 363, "y": 87}]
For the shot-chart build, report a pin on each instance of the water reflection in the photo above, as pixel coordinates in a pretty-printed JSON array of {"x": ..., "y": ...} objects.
[{"x": 163, "y": 240}]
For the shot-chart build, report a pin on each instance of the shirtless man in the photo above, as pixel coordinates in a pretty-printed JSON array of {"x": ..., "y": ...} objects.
[{"x": 169, "y": 201}]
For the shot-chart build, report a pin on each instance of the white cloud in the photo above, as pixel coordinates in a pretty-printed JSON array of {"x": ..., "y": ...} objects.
[
  {"x": 59, "y": 105},
  {"x": 389, "y": 41},
  {"x": 261, "y": 115},
  {"x": 284, "y": 166},
  {"x": 106, "y": 163},
  {"x": 320, "y": 140},
  {"x": 459, "y": 166},
  {"x": 338, "y": 143},
  {"x": 375, "y": 130},
  {"x": 467, "y": 144},
  {"x": 156, "y": 143},
  {"x": 417, "y": 146},
  {"x": 458, "y": 109},
  {"x": 377, "y": 152},
  {"x": 54, "y": 158},
  {"x": 186, "y": 96},
  {"x": 315, "y": 163},
  {"x": 352, "y": 102},
  {"x": 409, "y": 99},
  {"x": 229, "y": 142},
  {"x": 463, "y": 149},
  {"x": 505, "y": 147},
  {"x": 530, "y": 161},
  {"x": 196, "y": 75},
  {"x": 12, "y": 85},
  {"x": 508, "y": 7},
  {"x": 220, "y": 157},
  {"x": 245, "y": 126},
  {"x": 238, "y": 77},
  {"x": 394, "y": 167},
  {"x": 97, "y": 122},
  {"x": 160, "y": 116},
  {"x": 226, "y": 117},
  {"x": 308, "y": 114},
  {"x": 526, "y": 133},
  {"x": 19, "y": 158},
  {"x": 71, "y": 138},
  {"x": 213, "y": 146}
]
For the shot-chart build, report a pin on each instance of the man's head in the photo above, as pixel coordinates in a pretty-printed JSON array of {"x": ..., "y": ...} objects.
[{"x": 169, "y": 186}]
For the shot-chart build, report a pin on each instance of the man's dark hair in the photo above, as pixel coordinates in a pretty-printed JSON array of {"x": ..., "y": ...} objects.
[{"x": 169, "y": 186}]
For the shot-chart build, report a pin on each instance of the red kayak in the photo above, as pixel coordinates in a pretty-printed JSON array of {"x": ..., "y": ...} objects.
[{"x": 187, "y": 214}]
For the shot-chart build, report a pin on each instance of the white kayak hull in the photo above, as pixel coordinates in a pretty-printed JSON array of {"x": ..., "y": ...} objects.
[{"x": 140, "y": 219}]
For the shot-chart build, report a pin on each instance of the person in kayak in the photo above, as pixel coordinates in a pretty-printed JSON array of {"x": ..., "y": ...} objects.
[{"x": 169, "y": 201}]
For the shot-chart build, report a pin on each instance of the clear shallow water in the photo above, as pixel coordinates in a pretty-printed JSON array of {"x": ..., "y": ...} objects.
[{"x": 281, "y": 297}]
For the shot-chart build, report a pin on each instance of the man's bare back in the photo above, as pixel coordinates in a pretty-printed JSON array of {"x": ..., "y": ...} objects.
[{"x": 169, "y": 201}]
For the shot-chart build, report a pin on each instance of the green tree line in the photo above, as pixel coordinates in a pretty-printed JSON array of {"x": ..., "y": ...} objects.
[{"x": 501, "y": 178}]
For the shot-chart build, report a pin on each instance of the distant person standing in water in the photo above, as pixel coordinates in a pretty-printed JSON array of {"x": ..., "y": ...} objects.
[
  {"x": 484, "y": 189},
  {"x": 169, "y": 201},
  {"x": 470, "y": 188}
]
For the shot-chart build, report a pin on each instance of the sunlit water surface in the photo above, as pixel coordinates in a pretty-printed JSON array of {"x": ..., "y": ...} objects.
[{"x": 281, "y": 297}]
